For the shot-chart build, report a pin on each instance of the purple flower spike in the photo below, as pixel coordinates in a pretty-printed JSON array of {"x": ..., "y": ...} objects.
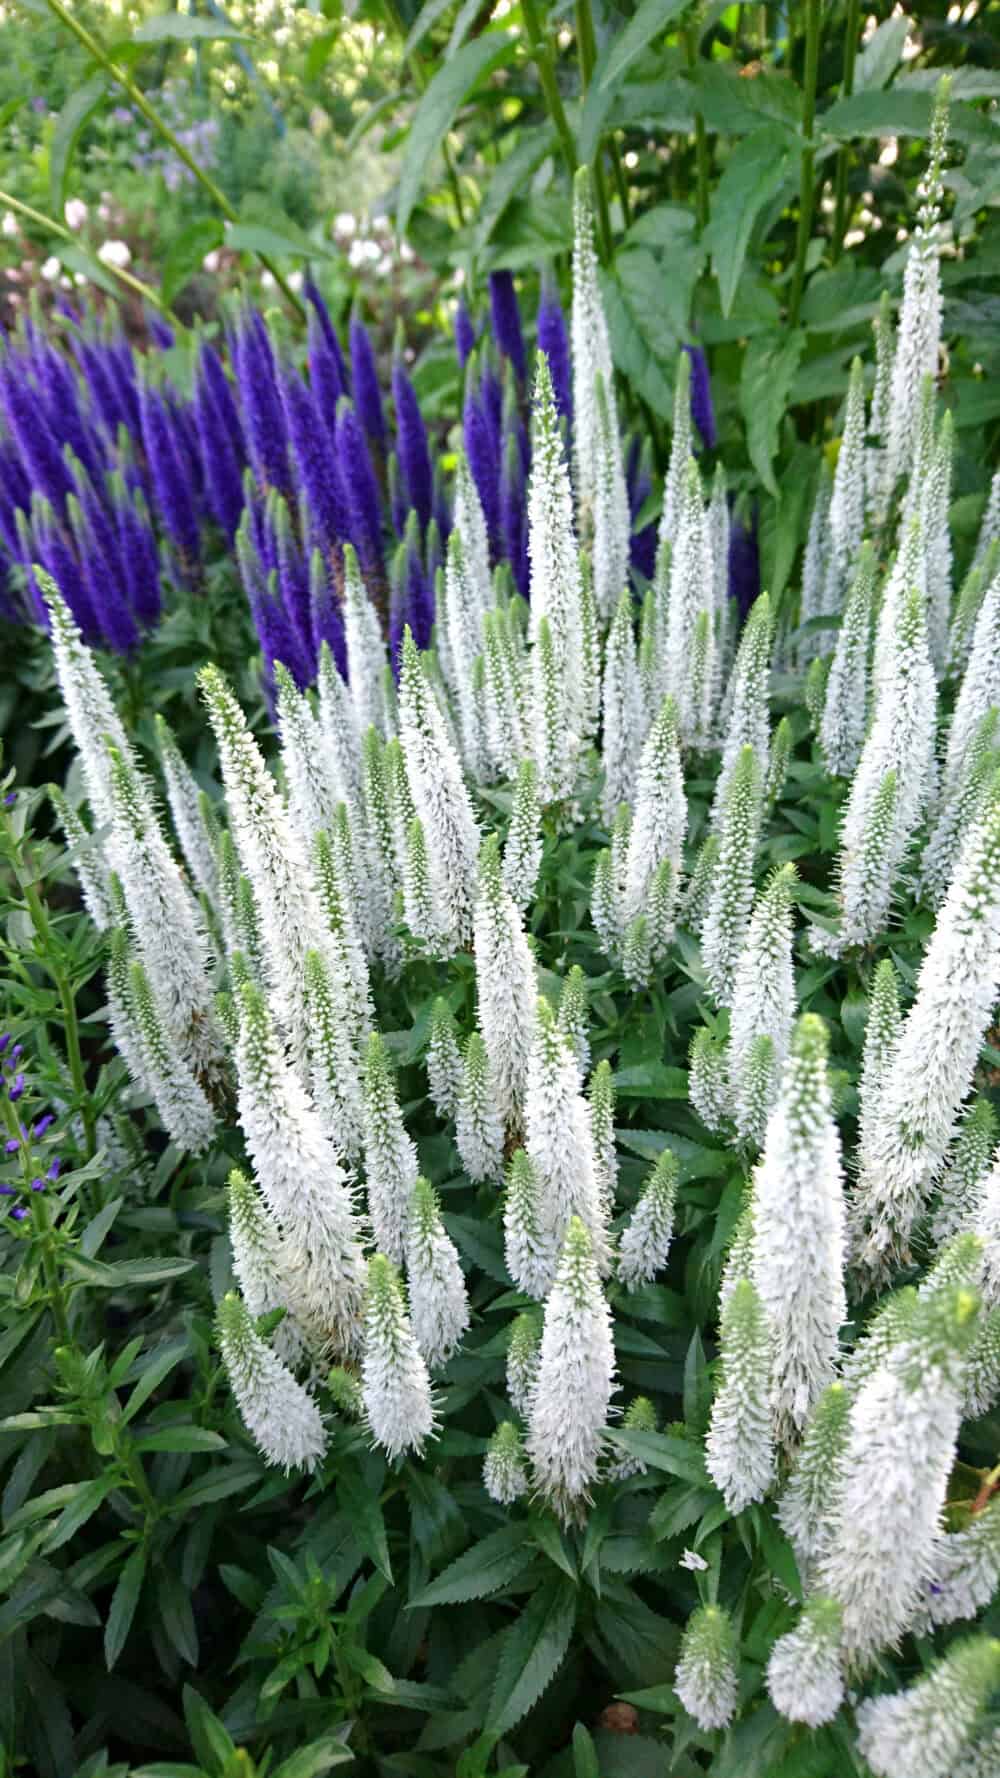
[
  {"x": 482, "y": 458},
  {"x": 16, "y": 1088},
  {"x": 325, "y": 613},
  {"x": 360, "y": 489},
  {"x": 11, "y": 1146},
  {"x": 139, "y": 554},
  {"x": 325, "y": 380},
  {"x": 171, "y": 487},
  {"x": 61, "y": 397},
  {"x": 222, "y": 469},
  {"x": 640, "y": 484},
  {"x": 514, "y": 516},
  {"x": 491, "y": 400},
  {"x": 38, "y": 1185},
  {"x": 44, "y": 1123},
  {"x": 160, "y": 332},
  {"x": 4, "y": 1041},
  {"x": 397, "y": 498},
  {"x": 277, "y": 637},
  {"x": 744, "y": 560},
  {"x": 54, "y": 553},
  {"x": 100, "y": 381},
  {"x": 53, "y": 1172},
  {"x": 465, "y": 334},
  {"x": 702, "y": 411},
  {"x": 411, "y": 440},
  {"x": 256, "y": 377},
  {"x": 323, "y": 321},
  {"x": 8, "y": 1191},
  {"x": 293, "y": 581},
  {"x": 317, "y": 463},
  {"x": 417, "y": 599},
  {"x": 38, "y": 445},
  {"x": 96, "y": 547},
  {"x": 19, "y": 1213},
  {"x": 507, "y": 320},
  {"x": 367, "y": 394},
  {"x": 553, "y": 340},
  {"x": 212, "y": 378},
  {"x": 18, "y": 1050}
]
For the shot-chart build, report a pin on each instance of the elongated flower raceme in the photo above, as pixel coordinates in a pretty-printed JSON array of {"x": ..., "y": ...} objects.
[
  {"x": 164, "y": 1070},
  {"x": 919, "y": 330},
  {"x": 278, "y": 1412},
  {"x": 763, "y": 1003},
  {"x": 842, "y": 730},
  {"x": 439, "y": 1305},
  {"x": 740, "y": 1443},
  {"x": 259, "y": 1263},
  {"x": 591, "y": 351},
  {"x": 804, "y": 1673},
  {"x": 645, "y": 1242},
  {"x": 621, "y": 707},
  {"x": 900, "y": 1447},
  {"x": 559, "y": 1141},
  {"x": 660, "y": 815},
  {"x": 575, "y": 1380},
  {"x": 923, "y": 1088},
  {"x": 803, "y": 1509},
  {"x": 731, "y": 894},
  {"x": 706, "y": 1679},
  {"x": 966, "y": 1569},
  {"x": 395, "y": 1386},
  {"x": 748, "y": 723},
  {"x": 928, "y": 1729},
  {"x": 390, "y": 1157},
  {"x": 505, "y": 986},
  {"x": 478, "y": 1122},
  {"x": 442, "y": 801},
  {"x": 505, "y": 1476},
  {"x": 798, "y": 1250}
]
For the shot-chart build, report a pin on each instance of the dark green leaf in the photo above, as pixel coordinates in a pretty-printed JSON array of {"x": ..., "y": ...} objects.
[
  {"x": 584, "y": 1754},
  {"x": 186, "y": 251},
  {"x": 180, "y": 1438},
  {"x": 485, "y": 1568},
  {"x": 124, "y": 1600},
  {"x": 533, "y": 1651},
  {"x": 678, "y": 1456},
  {"x": 438, "y": 105},
  {"x": 751, "y": 179},
  {"x": 209, "y": 1737},
  {"x": 319, "y": 1756},
  {"x": 881, "y": 55}
]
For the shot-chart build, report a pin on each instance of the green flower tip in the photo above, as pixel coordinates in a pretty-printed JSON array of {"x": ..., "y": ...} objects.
[{"x": 810, "y": 1038}]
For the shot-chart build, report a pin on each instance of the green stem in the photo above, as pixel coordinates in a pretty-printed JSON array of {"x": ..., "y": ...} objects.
[
  {"x": 844, "y": 155},
  {"x": 52, "y": 227},
  {"x": 49, "y": 950},
  {"x": 121, "y": 78},
  {"x": 806, "y": 182},
  {"x": 546, "y": 74},
  {"x": 700, "y": 134},
  {"x": 421, "y": 80},
  {"x": 586, "y": 46}
]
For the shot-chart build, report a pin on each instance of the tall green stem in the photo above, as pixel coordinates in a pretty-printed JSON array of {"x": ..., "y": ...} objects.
[
  {"x": 586, "y": 46},
  {"x": 542, "y": 58},
  {"x": 421, "y": 80},
  {"x": 43, "y": 1228},
  {"x": 806, "y": 182},
  {"x": 123, "y": 79},
  {"x": 844, "y": 155},
  {"x": 52, "y": 227},
  {"x": 700, "y": 134}
]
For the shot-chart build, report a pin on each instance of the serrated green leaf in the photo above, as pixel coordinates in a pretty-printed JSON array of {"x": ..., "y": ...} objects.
[
  {"x": 651, "y": 17},
  {"x": 489, "y": 1565},
  {"x": 186, "y": 251},
  {"x": 663, "y": 1450},
  {"x": 435, "y": 114},
  {"x": 77, "y": 111},
  {"x": 769, "y": 366},
  {"x": 751, "y": 179},
  {"x": 533, "y": 1651}
]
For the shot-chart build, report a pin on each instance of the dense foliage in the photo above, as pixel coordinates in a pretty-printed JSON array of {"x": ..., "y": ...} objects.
[{"x": 501, "y": 1240}]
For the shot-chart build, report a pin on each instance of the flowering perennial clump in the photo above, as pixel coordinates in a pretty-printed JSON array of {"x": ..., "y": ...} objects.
[{"x": 370, "y": 953}]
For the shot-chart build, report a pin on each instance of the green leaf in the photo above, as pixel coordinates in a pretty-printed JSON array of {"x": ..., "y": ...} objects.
[
  {"x": 97, "y": 1230},
  {"x": 124, "y": 1600},
  {"x": 901, "y": 112},
  {"x": 180, "y": 27},
  {"x": 645, "y": 24},
  {"x": 176, "y": 1614},
  {"x": 361, "y": 1503},
  {"x": 79, "y": 107},
  {"x": 661, "y": 305},
  {"x": 550, "y": 1541},
  {"x": 89, "y": 1496},
  {"x": 373, "y": 1671},
  {"x": 278, "y": 243},
  {"x": 662, "y": 1450},
  {"x": 652, "y": 1080},
  {"x": 631, "y": 350},
  {"x": 533, "y": 1651},
  {"x": 319, "y": 1756},
  {"x": 509, "y": 179},
  {"x": 435, "y": 114},
  {"x": 186, "y": 251},
  {"x": 180, "y": 1438},
  {"x": 753, "y": 176},
  {"x": 425, "y": 21},
  {"x": 126, "y": 1272},
  {"x": 769, "y": 366},
  {"x": 219, "y": 1483},
  {"x": 209, "y": 1737},
  {"x": 697, "y": 1387},
  {"x": 881, "y": 55},
  {"x": 584, "y": 1754},
  {"x": 155, "y": 1371},
  {"x": 485, "y": 1568}
]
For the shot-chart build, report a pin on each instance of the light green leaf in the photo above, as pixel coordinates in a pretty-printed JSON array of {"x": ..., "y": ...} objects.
[
  {"x": 181, "y": 27},
  {"x": 508, "y": 180},
  {"x": 769, "y": 367},
  {"x": 881, "y": 55},
  {"x": 533, "y": 1651},
  {"x": 489, "y": 1565},
  {"x": 425, "y": 21},
  {"x": 752, "y": 178},
  {"x": 258, "y": 237},
  {"x": 319, "y": 1756},
  {"x": 901, "y": 112},
  {"x": 632, "y": 352},
  {"x": 80, "y": 106},
  {"x": 436, "y": 111},
  {"x": 645, "y": 24},
  {"x": 181, "y": 1438}
]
